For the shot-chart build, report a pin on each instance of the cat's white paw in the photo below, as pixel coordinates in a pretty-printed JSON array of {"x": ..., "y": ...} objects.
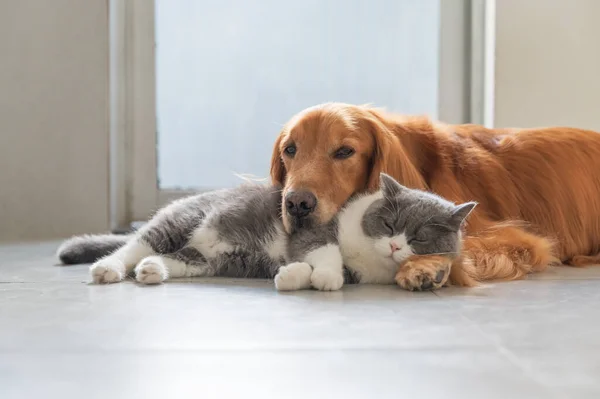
[
  {"x": 326, "y": 279},
  {"x": 295, "y": 276},
  {"x": 151, "y": 270},
  {"x": 106, "y": 271}
]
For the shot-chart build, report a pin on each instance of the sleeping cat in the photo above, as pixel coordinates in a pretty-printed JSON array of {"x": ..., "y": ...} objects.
[
  {"x": 233, "y": 232},
  {"x": 372, "y": 235},
  {"x": 238, "y": 233}
]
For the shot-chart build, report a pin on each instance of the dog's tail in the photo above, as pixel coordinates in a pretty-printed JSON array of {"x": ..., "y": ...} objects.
[{"x": 89, "y": 248}]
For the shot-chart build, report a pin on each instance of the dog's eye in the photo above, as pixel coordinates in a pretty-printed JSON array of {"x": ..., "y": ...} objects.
[
  {"x": 343, "y": 153},
  {"x": 290, "y": 150}
]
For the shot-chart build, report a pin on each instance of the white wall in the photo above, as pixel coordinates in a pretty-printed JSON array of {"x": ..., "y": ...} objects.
[
  {"x": 53, "y": 118},
  {"x": 548, "y": 63}
]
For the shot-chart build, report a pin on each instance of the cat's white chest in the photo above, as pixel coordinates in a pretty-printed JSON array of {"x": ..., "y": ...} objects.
[{"x": 357, "y": 249}]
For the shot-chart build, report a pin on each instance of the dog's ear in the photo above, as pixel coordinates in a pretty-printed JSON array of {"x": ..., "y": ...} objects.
[
  {"x": 277, "y": 166},
  {"x": 389, "y": 156}
]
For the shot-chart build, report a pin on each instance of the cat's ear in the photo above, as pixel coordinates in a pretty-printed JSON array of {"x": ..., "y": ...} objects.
[
  {"x": 389, "y": 185},
  {"x": 461, "y": 212}
]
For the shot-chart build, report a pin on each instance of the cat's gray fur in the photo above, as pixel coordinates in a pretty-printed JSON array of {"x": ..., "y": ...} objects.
[
  {"x": 426, "y": 222},
  {"x": 90, "y": 247},
  {"x": 418, "y": 214},
  {"x": 247, "y": 216}
]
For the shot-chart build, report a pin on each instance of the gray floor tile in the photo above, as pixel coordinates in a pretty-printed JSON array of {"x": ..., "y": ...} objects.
[
  {"x": 62, "y": 337},
  {"x": 226, "y": 314},
  {"x": 281, "y": 374}
]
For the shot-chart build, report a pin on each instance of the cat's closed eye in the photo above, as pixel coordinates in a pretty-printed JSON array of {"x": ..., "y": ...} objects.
[
  {"x": 421, "y": 237},
  {"x": 388, "y": 226}
]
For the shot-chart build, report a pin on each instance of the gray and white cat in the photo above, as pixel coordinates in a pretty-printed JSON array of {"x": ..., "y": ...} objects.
[
  {"x": 238, "y": 233},
  {"x": 372, "y": 235},
  {"x": 233, "y": 232}
]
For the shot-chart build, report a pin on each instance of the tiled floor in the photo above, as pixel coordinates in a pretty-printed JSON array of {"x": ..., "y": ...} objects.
[{"x": 63, "y": 338}]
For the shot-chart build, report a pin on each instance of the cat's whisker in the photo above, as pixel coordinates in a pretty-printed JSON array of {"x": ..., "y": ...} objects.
[
  {"x": 440, "y": 253},
  {"x": 388, "y": 209},
  {"x": 394, "y": 209},
  {"x": 249, "y": 178},
  {"x": 427, "y": 221},
  {"x": 436, "y": 224},
  {"x": 391, "y": 210},
  {"x": 394, "y": 206}
]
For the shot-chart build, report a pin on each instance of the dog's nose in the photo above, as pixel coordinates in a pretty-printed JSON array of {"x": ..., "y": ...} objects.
[{"x": 300, "y": 203}]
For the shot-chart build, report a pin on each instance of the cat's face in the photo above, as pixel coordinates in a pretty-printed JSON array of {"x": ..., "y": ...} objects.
[{"x": 409, "y": 222}]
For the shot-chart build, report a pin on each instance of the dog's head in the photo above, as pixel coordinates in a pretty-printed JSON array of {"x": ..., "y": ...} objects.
[{"x": 327, "y": 153}]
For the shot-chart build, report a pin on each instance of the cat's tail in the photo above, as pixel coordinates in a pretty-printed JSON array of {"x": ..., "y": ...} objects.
[{"x": 89, "y": 248}]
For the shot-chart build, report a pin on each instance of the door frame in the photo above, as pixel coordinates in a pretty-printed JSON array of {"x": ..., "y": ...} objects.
[
  {"x": 133, "y": 165},
  {"x": 466, "y": 94}
]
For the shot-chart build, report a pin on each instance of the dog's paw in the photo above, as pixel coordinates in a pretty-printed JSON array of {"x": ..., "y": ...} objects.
[
  {"x": 295, "y": 276},
  {"x": 326, "y": 279},
  {"x": 107, "y": 270},
  {"x": 151, "y": 270},
  {"x": 424, "y": 273}
]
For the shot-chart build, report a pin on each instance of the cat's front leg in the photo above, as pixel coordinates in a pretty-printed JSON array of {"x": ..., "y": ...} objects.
[
  {"x": 293, "y": 277},
  {"x": 114, "y": 267},
  {"x": 152, "y": 270},
  {"x": 156, "y": 269},
  {"x": 328, "y": 268}
]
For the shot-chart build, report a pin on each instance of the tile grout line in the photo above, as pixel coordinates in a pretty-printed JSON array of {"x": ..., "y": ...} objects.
[{"x": 508, "y": 355}]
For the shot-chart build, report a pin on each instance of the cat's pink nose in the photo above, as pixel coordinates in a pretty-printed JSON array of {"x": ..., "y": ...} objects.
[{"x": 394, "y": 246}]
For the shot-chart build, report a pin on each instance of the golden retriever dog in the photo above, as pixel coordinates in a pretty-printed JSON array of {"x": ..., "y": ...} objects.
[{"x": 538, "y": 189}]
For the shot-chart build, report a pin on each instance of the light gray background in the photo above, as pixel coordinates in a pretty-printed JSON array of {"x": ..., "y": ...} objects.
[{"x": 230, "y": 73}]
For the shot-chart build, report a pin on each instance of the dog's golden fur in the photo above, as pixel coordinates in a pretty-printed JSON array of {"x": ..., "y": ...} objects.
[{"x": 538, "y": 189}]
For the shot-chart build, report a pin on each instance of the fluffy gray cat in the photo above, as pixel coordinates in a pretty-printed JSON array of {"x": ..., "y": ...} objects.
[{"x": 238, "y": 233}]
